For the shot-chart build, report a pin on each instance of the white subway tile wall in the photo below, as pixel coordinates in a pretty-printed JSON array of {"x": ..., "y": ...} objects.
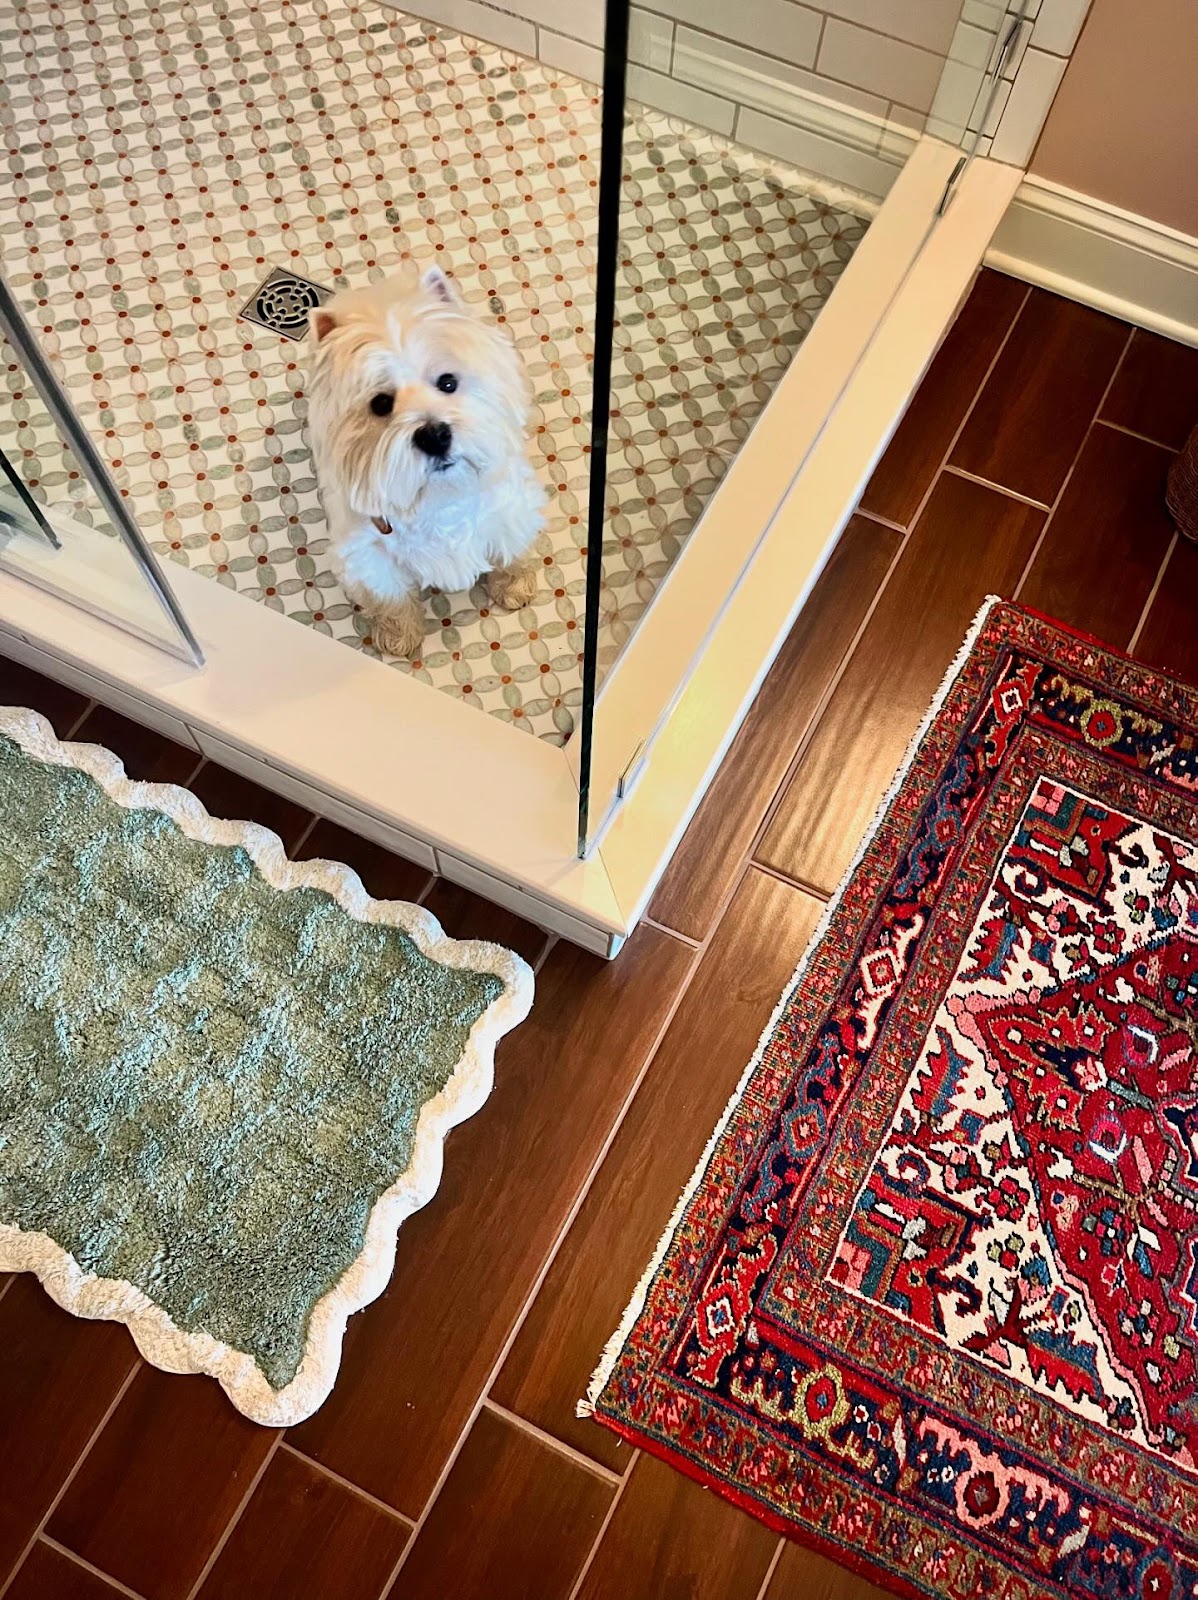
[
  {"x": 482, "y": 21},
  {"x": 754, "y": 80},
  {"x": 882, "y": 65},
  {"x": 680, "y": 99},
  {"x": 580, "y": 60},
  {"x": 1058, "y": 25},
  {"x": 1032, "y": 93},
  {"x": 651, "y": 40},
  {"x": 929, "y": 23},
  {"x": 841, "y": 87},
  {"x": 792, "y": 31}
]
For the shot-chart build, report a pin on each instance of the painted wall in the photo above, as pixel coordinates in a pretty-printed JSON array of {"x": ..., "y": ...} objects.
[{"x": 1124, "y": 124}]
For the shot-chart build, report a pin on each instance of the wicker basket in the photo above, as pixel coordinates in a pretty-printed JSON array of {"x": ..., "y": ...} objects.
[{"x": 1181, "y": 489}]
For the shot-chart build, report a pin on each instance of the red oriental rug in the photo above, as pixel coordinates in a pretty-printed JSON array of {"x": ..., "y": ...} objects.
[{"x": 930, "y": 1303}]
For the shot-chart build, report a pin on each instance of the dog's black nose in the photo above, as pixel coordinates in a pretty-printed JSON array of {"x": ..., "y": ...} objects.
[{"x": 434, "y": 438}]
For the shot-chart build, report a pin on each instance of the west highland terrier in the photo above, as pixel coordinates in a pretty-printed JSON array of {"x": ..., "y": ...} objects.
[{"x": 418, "y": 410}]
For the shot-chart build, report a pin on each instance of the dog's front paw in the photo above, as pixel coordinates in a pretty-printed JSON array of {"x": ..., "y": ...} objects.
[
  {"x": 512, "y": 587},
  {"x": 399, "y": 633}
]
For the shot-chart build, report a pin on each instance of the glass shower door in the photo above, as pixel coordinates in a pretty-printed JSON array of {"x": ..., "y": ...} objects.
[
  {"x": 721, "y": 245},
  {"x": 64, "y": 525}
]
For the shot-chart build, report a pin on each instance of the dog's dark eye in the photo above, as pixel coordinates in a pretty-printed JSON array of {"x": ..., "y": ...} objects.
[
  {"x": 382, "y": 404},
  {"x": 447, "y": 383}
]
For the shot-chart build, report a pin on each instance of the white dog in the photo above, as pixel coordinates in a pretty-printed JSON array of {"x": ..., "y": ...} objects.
[{"x": 418, "y": 411}]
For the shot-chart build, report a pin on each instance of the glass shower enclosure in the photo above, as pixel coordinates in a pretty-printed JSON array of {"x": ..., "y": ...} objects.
[
  {"x": 724, "y": 241},
  {"x": 63, "y": 525}
]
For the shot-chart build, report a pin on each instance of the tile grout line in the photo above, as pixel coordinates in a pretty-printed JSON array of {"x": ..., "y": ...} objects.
[
  {"x": 255, "y": 1480},
  {"x": 73, "y": 1473},
  {"x": 817, "y": 716},
  {"x": 1068, "y": 478},
  {"x": 779, "y": 1549},
  {"x": 546, "y": 1266},
  {"x": 966, "y": 413},
  {"x": 89, "y": 1566},
  {"x": 876, "y": 516},
  {"x": 1152, "y": 594},
  {"x": 1146, "y": 438},
  {"x": 675, "y": 933},
  {"x": 551, "y": 944},
  {"x": 75, "y": 726},
  {"x": 559, "y": 1446},
  {"x": 809, "y": 889},
  {"x": 999, "y": 488},
  {"x": 601, "y": 1533},
  {"x": 293, "y": 853},
  {"x": 345, "y": 1483},
  {"x": 1106, "y": 393}
]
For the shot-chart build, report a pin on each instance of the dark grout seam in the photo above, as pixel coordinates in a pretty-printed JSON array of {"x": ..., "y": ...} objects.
[
  {"x": 122, "y": 1390},
  {"x": 1046, "y": 527},
  {"x": 88, "y": 1566},
  {"x": 239, "y": 1511},
  {"x": 345, "y": 1483}
]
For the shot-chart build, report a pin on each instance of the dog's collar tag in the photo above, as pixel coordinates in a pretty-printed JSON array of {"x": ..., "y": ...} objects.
[{"x": 382, "y": 525}]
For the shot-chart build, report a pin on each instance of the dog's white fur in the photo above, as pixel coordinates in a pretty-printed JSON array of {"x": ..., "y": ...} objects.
[{"x": 474, "y": 510}]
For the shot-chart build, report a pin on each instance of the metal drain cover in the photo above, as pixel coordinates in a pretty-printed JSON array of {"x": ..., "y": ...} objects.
[{"x": 282, "y": 303}]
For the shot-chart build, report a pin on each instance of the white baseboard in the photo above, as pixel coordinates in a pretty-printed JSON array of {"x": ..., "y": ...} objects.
[{"x": 1101, "y": 255}]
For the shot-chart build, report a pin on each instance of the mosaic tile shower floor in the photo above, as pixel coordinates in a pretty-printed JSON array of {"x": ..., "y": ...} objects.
[{"x": 161, "y": 158}]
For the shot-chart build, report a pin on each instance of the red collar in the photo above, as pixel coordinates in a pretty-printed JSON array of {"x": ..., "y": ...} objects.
[{"x": 382, "y": 525}]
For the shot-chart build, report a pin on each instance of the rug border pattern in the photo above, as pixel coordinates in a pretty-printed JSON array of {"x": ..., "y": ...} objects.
[{"x": 157, "y": 1337}]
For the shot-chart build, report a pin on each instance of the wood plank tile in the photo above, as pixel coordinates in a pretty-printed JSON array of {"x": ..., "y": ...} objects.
[
  {"x": 514, "y": 1521},
  {"x": 1156, "y": 390},
  {"x": 722, "y": 830},
  {"x": 464, "y": 915},
  {"x": 148, "y": 757},
  {"x": 670, "y": 1536},
  {"x": 21, "y": 686},
  {"x": 160, "y": 1484},
  {"x": 697, "y": 1066},
  {"x": 47, "y": 1574},
  {"x": 922, "y": 438},
  {"x": 801, "y": 1574},
  {"x": 971, "y": 541},
  {"x": 1170, "y": 637},
  {"x": 305, "y": 1534},
  {"x": 415, "y": 1361},
  {"x": 58, "y": 1376},
  {"x": 1106, "y": 540},
  {"x": 384, "y": 875},
  {"x": 1031, "y": 417},
  {"x": 228, "y": 794}
]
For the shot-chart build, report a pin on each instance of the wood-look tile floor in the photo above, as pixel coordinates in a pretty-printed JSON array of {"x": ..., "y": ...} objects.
[{"x": 448, "y": 1463}]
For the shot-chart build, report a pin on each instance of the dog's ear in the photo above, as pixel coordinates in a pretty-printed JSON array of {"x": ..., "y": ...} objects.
[
  {"x": 322, "y": 323},
  {"x": 441, "y": 286}
]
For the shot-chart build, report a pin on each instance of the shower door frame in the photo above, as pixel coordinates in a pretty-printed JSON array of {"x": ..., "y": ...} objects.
[{"x": 464, "y": 794}]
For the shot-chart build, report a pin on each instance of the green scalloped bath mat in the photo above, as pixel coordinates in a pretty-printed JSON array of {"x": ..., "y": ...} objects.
[{"x": 225, "y": 1077}]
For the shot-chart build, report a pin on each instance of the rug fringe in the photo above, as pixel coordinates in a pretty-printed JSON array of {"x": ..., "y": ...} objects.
[{"x": 615, "y": 1345}]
